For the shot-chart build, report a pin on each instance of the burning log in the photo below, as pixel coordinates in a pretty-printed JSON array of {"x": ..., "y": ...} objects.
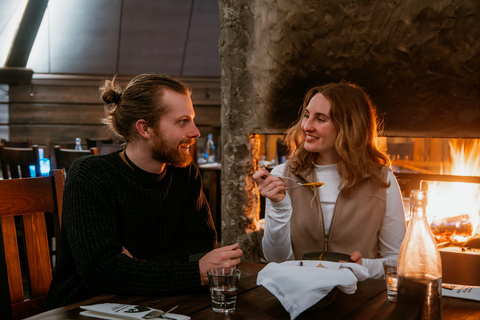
[
  {"x": 455, "y": 230},
  {"x": 473, "y": 243}
]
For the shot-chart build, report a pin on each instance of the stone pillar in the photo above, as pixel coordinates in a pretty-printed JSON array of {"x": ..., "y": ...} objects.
[{"x": 240, "y": 197}]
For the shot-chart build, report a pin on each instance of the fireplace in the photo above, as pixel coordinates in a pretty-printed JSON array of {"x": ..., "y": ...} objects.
[{"x": 449, "y": 170}]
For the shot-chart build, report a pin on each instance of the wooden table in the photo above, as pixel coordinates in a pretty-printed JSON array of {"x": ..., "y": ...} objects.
[{"x": 254, "y": 302}]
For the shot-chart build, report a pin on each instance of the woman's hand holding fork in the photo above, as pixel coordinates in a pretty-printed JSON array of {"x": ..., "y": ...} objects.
[{"x": 271, "y": 187}]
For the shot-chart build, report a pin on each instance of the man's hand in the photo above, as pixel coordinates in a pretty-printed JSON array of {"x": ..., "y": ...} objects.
[
  {"x": 126, "y": 252},
  {"x": 225, "y": 257}
]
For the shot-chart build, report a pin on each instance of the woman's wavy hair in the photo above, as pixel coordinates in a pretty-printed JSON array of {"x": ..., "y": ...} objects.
[
  {"x": 142, "y": 98},
  {"x": 355, "y": 119}
]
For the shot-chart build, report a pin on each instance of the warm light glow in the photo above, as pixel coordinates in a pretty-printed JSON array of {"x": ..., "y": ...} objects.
[{"x": 456, "y": 206}]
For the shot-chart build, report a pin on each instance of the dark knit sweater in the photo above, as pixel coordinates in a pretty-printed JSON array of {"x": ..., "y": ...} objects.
[{"x": 160, "y": 219}]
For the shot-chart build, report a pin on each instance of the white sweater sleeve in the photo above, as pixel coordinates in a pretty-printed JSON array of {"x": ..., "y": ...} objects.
[
  {"x": 276, "y": 241},
  {"x": 392, "y": 231}
]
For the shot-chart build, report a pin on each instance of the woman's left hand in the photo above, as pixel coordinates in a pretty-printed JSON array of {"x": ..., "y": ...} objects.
[{"x": 356, "y": 257}]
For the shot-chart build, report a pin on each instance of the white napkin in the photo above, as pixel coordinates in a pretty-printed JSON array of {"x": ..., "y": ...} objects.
[{"x": 299, "y": 287}]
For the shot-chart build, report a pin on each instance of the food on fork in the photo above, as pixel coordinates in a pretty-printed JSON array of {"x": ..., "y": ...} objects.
[{"x": 314, "y": 184}]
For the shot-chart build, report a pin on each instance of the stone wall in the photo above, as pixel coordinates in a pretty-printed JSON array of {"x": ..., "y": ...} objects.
[{"x": 418, "y": 59}]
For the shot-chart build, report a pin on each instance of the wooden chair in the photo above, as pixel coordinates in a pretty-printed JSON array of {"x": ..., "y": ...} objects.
[
  {"x": 104, "y": 145},
  {"x": 17, "y": 144},
  {"x": 64, "y": 158},
  {"x": 16, "y": 162},
  {"x": 106, "y": 148},
  {"x": 92, "y": 142},
  {"x": 27, "y": 200}
]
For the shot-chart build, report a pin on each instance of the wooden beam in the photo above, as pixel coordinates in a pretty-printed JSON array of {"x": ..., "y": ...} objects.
[
  {"x": 14, "y": 75},
  {"x": 26, "y": 33}
]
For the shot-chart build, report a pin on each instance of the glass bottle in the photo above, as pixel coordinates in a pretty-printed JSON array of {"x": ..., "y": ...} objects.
[
  {"x": 78, "y": 144},
  {"x": 419, "y": 259},
  {"x": 210, "y": 149}
]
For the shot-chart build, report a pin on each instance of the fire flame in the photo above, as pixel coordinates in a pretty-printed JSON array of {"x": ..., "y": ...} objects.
[{"x": 454, "y": 199}]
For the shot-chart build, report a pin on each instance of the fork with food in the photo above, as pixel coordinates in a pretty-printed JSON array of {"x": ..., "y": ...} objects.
[{"x": 274, "y": 186}]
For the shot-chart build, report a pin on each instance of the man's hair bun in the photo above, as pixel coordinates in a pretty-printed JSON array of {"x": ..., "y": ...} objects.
[{"x": 110, "y": 94}]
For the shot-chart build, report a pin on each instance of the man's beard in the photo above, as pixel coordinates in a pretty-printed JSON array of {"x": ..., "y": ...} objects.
[{"x": 162, "y": 151}]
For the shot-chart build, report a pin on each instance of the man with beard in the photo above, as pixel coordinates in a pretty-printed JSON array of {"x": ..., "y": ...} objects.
[{"x": 133, "y": 219}]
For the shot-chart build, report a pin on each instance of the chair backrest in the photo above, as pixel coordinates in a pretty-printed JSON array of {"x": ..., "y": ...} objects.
[
  {"x": 92, "y": 142},
  {"x": 24, "y": 204},
  {"x": 104, "y": 145},
  {"x": 17, "y": 144},
  {"x": 16, "y": 162},
  {"x": 106, "y": 148},
  {"x": 64, "y": 158}
]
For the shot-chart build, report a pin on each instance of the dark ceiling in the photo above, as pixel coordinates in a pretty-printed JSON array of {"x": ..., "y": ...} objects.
[{"x": 125, "y": 37}]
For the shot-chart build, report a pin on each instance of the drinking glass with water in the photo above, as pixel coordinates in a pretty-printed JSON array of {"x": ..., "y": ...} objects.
[{"x": 223, "y": 288}]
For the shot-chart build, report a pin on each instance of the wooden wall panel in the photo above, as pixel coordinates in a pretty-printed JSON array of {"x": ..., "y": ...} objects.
[
  {"x": 59, "y": 134},
  {"x": 44, "y": 113},
  {"x": 85, "y": 90},
  {"x": 55, "y": 93},
  {"x": 61, "y": 108},
  {"x": 206, "y": 96},
  {"x": 207, "y": 116}
]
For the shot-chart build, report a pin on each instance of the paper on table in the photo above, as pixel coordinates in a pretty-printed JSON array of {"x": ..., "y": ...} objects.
[
  {"x": 299, "y": 287},
  {"x": 460, "y": 291},
  {"x": 115, "y": 311}
]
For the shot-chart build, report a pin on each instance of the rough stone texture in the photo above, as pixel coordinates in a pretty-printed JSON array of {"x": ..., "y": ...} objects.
[
  {"x": 240, "y": 197},
  {"x": 419, "y": 60}
]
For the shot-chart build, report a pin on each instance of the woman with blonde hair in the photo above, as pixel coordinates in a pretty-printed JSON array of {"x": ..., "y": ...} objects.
[{"x": 359, "y": 209}]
